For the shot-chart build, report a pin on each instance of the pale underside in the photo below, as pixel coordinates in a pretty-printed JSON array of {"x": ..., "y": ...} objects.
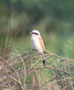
[{"x": 37, "y": 43}]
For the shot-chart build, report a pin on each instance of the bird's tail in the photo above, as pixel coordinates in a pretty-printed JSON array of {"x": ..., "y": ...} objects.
[{"x": 43, "y": 59}]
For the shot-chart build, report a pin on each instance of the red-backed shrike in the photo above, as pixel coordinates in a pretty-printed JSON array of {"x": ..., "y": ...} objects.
[{"x": 37, "y": 43}]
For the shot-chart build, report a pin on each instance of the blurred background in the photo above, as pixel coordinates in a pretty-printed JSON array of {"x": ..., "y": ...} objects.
[{"x": 53, "y": 18}]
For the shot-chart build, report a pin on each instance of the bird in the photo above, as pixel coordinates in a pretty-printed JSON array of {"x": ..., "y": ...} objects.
[{"x": 38, "y": 44}]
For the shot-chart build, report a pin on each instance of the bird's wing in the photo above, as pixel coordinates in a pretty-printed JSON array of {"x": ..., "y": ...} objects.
[{"x": 42, "y": 43}]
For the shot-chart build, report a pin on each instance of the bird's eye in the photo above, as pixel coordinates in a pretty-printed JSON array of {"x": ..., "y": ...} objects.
[{"x": 35, "y": 33}]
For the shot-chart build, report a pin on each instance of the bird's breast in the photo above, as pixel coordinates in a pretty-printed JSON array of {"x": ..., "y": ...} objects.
[{"x": 36, "y": 43}]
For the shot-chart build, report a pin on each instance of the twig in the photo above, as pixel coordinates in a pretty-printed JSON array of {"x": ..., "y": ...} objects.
[{"x": 23, "y": 67}]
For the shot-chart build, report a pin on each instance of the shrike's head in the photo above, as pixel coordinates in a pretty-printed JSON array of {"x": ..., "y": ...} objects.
[{"x": 35, "y": 32}]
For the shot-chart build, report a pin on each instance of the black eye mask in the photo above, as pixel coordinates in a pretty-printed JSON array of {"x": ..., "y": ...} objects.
[{"x": 35, "y": 33}]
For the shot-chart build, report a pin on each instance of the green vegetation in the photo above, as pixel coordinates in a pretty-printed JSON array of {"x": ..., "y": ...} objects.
[{"x": 55, "y": 20}]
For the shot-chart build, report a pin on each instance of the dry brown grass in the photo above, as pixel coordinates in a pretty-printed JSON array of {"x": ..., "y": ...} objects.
[{"x": 23, "y": 70}]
